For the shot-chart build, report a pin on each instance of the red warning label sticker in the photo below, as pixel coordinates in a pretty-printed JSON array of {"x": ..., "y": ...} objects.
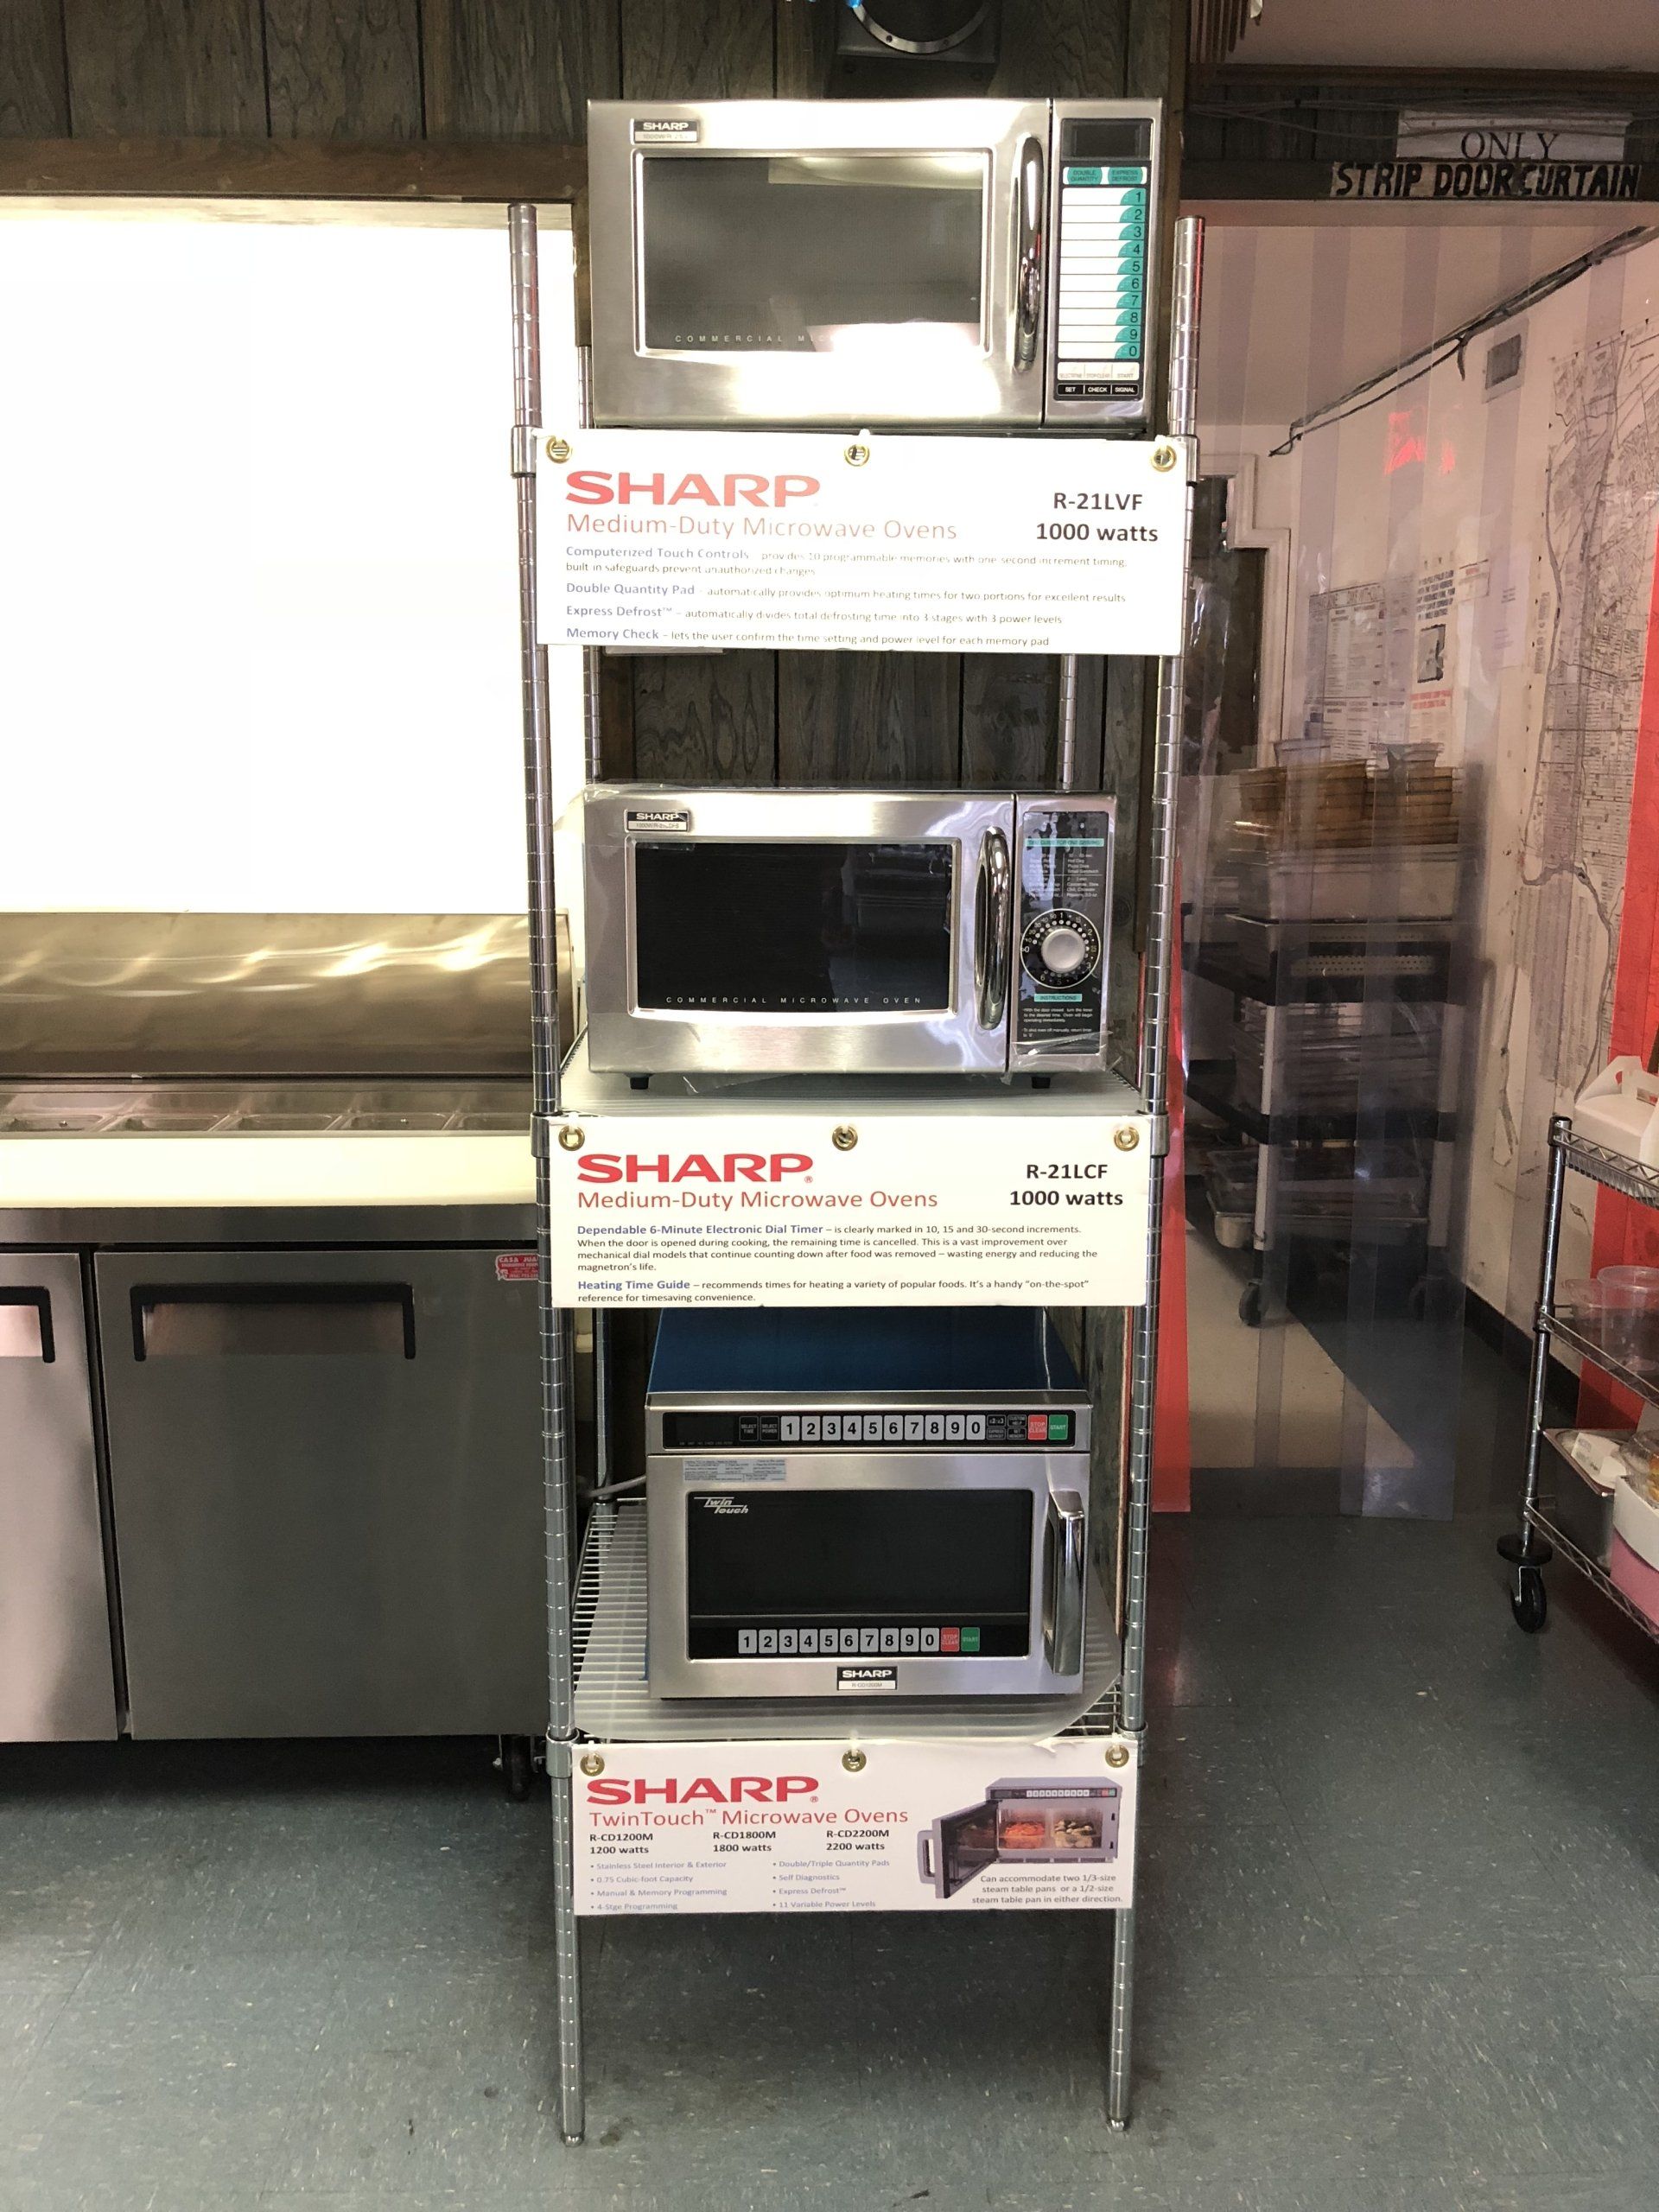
[{"x": 515, "y": 1267}]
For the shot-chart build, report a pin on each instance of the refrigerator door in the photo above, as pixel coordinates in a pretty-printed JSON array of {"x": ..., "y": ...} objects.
[
  {"x": 958, "y": 1846},
  {"x": 325, "y": 1469},
  {"x": 57, "y": 1671}
]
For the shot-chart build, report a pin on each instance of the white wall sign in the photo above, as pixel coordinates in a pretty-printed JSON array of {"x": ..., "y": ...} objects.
[
  {"x": 705, "y": 539},
  {"x": 918, "y": 1827},
  {"x": 1512, "y": 137},
  {"x": 924, "y": 1210}
]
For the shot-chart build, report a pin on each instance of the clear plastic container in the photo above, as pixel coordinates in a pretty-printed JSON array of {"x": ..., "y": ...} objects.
[{"x": 1629, "y": 1316}]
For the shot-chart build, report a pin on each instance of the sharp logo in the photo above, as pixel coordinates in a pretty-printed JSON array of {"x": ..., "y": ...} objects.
[
  {"x": 604, "y": 487},
  {"x": 739, "y": 1789},
  {"x": 695, "y": 1167}
]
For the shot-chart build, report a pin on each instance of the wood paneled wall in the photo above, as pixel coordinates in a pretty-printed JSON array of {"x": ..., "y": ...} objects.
[{"x": 385, "y": 70}]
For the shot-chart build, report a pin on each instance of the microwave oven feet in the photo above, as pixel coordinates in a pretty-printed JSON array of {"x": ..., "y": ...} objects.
[
  {"x": 1041, "y": 1082},
  {"x": 638, "y": 1082}
]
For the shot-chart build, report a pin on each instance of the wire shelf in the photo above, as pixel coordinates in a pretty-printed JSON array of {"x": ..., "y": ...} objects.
[
  {"x": 1616, "y": 1170},
  {"x": 1584, "y": 1342},
  {"x": 615, "y": 1703},
  {"x": 1592, "y": 1571}
]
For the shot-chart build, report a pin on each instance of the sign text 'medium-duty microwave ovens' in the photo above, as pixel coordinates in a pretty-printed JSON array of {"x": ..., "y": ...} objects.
[{"x": 588, "y": 488}]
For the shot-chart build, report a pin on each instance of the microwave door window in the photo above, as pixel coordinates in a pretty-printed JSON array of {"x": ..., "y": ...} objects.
[
  {"x": 813, "y": 253},
  {"x": 966, "y": 1846},
  {"x": 756, "y": 928},
  {"x": 909, "y": 1561}
]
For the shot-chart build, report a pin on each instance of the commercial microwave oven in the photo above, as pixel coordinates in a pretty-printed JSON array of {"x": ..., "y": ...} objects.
[
  {"x": 842, "y": 1501},
  {"x": 784, "y": 931},
  {"x": 858, "y": 263}
]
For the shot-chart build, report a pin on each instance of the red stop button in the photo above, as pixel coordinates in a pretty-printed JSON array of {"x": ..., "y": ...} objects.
[{"x": 1037, "y": 1428}]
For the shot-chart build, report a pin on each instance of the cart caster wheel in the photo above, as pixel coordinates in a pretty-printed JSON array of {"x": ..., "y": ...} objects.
[
  {"x": 1527, "y": 1601},
  {"x": 517, "y": 1767},
  {"x": 1250, "y": 1306}
]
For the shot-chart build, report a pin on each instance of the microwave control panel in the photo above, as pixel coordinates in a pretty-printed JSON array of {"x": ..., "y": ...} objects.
[
  {"x": 1101, "y": 214},
  {"x": 1062, "y": 928},
  {"x": 923, "y": 1431}
]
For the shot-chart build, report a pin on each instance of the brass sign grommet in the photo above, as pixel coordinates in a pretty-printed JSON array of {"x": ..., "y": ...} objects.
[
  {"x": 853, "y": 1761},
  {"x": 1117, "y": 1754},
  {"x": 844, "y": 1137},
  {"x": 1163, "y": 456},
  {"x": 558, "y": 449},
  {"x": 591, "y": 1762},
  {"x": 1126, "y": 1136},
  {"x": 855, "y": 456},
  {"x": 571, "y": 1137}
]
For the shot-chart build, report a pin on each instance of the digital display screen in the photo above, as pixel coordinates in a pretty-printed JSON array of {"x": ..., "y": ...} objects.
[{"x": 1102, "y": 138}]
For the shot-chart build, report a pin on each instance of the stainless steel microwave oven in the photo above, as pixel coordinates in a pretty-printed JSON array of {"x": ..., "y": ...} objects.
[
  {"x": 847, "y": 1502},
  {"x": 870, "y": 262},
  {"x": 767, "y": 933}
]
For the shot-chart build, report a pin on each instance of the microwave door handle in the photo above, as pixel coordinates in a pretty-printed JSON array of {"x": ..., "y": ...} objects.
[
  {"x": 924, "y": 1858},
  {"x": 993, "y": 921},
  {"x": 1028, "y": 252},
  {"x": 1064, "y": 1561}
]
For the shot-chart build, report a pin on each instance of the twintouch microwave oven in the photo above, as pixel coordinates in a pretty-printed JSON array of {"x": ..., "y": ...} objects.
[
  {"x": 784, "y": 931},
  {"x": 843, "y": 1501},
  {"x": 870, "y": 262}
]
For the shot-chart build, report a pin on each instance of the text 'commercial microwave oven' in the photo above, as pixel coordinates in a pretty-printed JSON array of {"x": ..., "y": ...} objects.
[
  {"x": 853, "y": 1502},
  {"x": 857, "y": 263},
  {"x": 772, "y": 932}
]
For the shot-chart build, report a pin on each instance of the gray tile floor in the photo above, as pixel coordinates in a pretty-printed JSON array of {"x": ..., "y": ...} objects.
[{"x": 1400, "y": 1953}]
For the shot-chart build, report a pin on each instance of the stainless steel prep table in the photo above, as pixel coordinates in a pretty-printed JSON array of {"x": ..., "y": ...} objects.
[{"x": 268, "y": 1423}]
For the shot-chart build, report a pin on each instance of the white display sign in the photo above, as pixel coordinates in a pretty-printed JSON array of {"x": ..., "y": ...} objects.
[
  {"x": 711, "y": 539},
  {"x": 815, "y": 1826},
  {"x": 918, "y": 1210},
  {"x": 1512, "y": 137}
]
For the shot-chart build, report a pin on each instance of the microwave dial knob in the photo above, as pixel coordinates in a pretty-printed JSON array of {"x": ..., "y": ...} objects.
[
  {"x": 1064, "y": 951},
  {"x": 1061, "y": 947}
]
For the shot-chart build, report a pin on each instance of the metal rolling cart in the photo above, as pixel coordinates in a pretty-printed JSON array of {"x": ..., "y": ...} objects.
[
  {"x": 1404, "y": 1201},
  {"x": 1120, "y": 1711},
  {"x": 1542, "y": 1535}
]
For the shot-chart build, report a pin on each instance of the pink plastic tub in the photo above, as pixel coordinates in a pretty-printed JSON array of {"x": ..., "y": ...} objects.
[{"x": 1630, "y": 1573}]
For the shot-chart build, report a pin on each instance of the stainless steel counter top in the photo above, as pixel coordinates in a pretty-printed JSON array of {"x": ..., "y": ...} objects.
[
  {"x": 259, "y": 1109},
  {"x": 221, "y": 1164}
]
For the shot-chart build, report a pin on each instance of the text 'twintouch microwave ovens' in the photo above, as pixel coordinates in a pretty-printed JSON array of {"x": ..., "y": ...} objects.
[
  {"x": 768, "y": 932},
  {"x": 871, "y": 262},
  {"x": 849, "y": 1502}
]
